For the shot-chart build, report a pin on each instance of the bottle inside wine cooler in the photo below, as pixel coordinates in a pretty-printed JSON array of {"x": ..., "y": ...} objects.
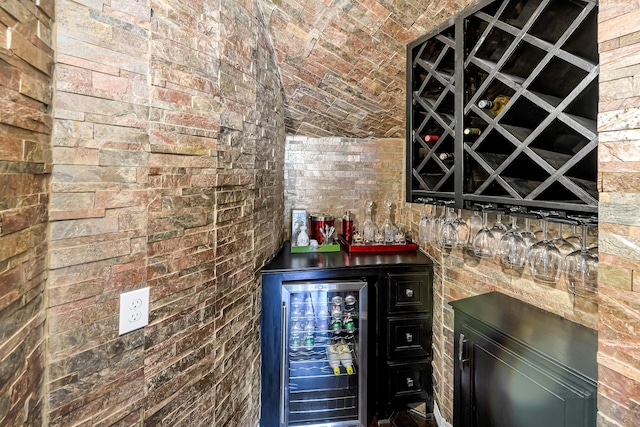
[
  {"x": 309, "y": 331},
  {"x": 348, "y": 323},
  {"x": 333, "y": 357},
  {"x": 346, "y": 359}
]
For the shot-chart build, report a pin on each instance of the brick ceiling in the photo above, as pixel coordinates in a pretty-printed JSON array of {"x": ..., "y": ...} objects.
[{"x": 342, "y": 62}]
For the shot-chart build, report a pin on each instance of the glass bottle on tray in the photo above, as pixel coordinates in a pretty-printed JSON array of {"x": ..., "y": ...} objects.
[{"x": 368, "y": 227}]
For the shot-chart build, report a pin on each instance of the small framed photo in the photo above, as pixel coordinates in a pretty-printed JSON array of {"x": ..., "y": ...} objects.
[{"x": 298, "y": 219}]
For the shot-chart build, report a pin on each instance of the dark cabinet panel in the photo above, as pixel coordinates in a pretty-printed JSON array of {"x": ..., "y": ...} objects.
[{"x": 518, "y": 366}]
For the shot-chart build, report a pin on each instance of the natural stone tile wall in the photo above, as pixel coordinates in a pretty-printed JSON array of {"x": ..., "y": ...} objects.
[
  {"x": 99, "y": 215},
  {"x": 26, "y": 73},
  {"x": 342, "y": 62},
  {"x": 168, "y": 173},
  {"x": 332, "y": 175},
  {"x": 619, "y": 246}
]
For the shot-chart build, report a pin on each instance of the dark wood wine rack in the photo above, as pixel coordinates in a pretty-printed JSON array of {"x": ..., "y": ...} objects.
[{"x": 540, "y": 150}]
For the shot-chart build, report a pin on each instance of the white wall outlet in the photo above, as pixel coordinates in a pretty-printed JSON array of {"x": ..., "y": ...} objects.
[{"x": 134, "y": 310}]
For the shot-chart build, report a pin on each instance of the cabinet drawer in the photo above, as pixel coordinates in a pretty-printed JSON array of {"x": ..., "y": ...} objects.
[
  {"x": 409, "y": 293},
  {"x": 409, "y": 382},
  {"x": 409, "y": 338}
]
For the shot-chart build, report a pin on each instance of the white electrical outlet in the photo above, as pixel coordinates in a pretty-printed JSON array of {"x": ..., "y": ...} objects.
[{"x": 134, "y": 310}]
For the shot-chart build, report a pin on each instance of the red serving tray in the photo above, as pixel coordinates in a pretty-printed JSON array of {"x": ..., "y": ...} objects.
[{"x": 409, "y": 246}]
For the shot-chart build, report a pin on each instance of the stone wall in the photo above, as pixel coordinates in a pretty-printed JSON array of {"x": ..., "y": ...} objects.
[
  {"x": 168, "y": 173},
  {"x": 26, "y": 73},
  {"x": 332, "y": 175},
  {"x": 619, "y": 246}
]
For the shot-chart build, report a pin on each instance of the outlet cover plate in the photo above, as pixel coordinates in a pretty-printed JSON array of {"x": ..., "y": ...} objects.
[{"x": 134, "y": 310}]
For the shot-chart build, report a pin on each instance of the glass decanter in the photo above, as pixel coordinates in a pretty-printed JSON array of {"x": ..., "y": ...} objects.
[
  {"x": 388, "y": 228},
  {"x": 368, "y": 227}
]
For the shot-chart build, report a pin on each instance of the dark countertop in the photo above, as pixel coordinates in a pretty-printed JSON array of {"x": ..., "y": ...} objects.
[{"x": 285, "y": 261}]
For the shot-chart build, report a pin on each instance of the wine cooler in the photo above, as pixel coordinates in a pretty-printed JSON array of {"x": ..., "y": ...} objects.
[{"x": 323, "y": 354}]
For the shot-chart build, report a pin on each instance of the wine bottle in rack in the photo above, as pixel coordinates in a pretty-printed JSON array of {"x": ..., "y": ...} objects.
[
  {"x": 431, "y": 138},
  {"x": 485, "y": 104},
  {"x": 472, "y": 131},
  {"x": 446, "y": 156},
  {"x": 496, "y": 106}
]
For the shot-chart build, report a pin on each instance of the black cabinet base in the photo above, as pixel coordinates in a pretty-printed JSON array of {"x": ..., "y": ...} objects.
[{"x": 519, "y": 366}]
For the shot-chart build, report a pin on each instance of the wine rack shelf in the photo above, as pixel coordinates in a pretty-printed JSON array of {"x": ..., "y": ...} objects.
[{"x": 502, "y": 104}]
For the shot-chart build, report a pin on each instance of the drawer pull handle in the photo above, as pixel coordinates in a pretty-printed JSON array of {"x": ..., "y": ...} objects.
[
  {"x": 408, "y": 293},
  {"x": 409, "y": 337},
  {"x": 410, "y": 382}
]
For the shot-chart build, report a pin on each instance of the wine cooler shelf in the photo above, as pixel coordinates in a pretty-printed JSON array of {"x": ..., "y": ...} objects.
[{"x": 502, "y": 104}]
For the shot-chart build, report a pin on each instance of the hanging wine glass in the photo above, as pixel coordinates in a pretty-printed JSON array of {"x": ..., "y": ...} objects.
[
  {"x": 574, "y": 237},
  {"x": 424, "y": 228},
  {"x": 545, "y": 260},
  {"x": 564, "y": 246},
  {"x": 436, "y": 224},
  {"x": 513, "y": 248},
  {"x": 528, "y": 236},
  {"x": 462, "y": 230},
  {"x": 448, "y": 232},
  {"x": 498, "y": 228},
  {"x": 475, "y": 224},
  {"x": 484, "y": 243},
  {"x": 581, "y": 266}
]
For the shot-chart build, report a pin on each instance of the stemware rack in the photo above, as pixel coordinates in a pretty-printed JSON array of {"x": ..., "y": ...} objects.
[{"x": 539, "y": 150}]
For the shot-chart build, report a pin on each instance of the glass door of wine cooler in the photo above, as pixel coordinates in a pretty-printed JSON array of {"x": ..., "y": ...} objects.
[{"x": 324, "y": 356}]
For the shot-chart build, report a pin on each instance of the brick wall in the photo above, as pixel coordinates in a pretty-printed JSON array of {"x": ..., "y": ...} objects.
[
  {"x": 26, "y": 70},
  {"x": 168, "y": 173}
]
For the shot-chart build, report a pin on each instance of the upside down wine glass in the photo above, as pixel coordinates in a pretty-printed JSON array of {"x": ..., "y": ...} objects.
[
  {"x": 484, "y": 243},
  {"x": 545, "y": 260},
  {"x": 581, "y": 267},
  {"x": 462, "y": 230},
  {"x": 498, "y": 228},
  {"x": 424, "y": 228},
  {"x": 475, "y": 225},
  {"x": 513, "y": 248},
  {"x": 563, "y": 244},
  {"x": 448, "y": 232}
]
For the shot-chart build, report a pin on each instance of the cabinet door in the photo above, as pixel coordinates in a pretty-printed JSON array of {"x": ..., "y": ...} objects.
[{"x": 501, "y": 388}]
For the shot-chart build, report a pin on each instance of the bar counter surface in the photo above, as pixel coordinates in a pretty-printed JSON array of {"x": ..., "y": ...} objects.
[{"x": 306, "y": 263}]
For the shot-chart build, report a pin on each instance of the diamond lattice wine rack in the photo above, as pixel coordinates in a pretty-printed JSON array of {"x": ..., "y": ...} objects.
[{"x": 501, "y": 106}]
